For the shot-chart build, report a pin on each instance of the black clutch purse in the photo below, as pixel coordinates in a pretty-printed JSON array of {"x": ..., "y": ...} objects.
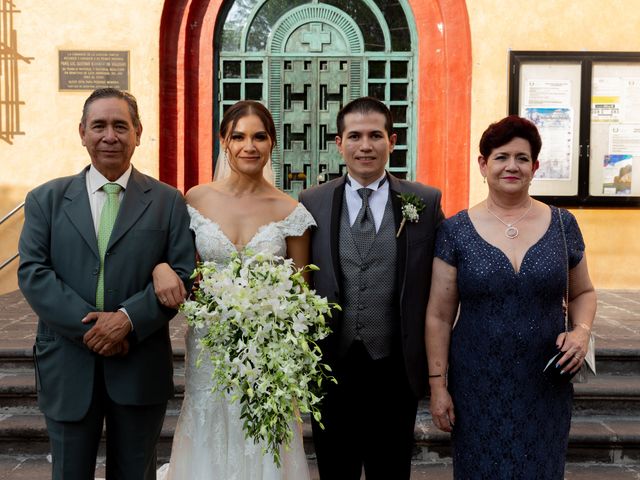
[{"x": 552, "y": 370}]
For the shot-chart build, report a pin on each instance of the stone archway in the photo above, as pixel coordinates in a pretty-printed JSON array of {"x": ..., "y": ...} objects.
[{"x": 444, "y": 72}]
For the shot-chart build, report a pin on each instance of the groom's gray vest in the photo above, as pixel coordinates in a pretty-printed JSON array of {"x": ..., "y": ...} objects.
[{"x": 368, "y": 288}]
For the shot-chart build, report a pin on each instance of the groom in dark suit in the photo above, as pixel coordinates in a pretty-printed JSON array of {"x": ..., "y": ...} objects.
[
  {"x": 87, "y": 250},
  {"x": 378, "y": 268}
]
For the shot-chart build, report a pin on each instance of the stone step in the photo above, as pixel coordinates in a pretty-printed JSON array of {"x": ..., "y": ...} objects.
[
  {"x": 592, "y": 438},
  {"x": 602, "y": 439},
  {"x": 605, "y": 394},
  {"x": 16, "y": 357},
  {"x": 608, "y": 394},
  {"x": 17, "y": 387},
  {"x": 22, "y": 359},
  {"x": 618, "y": 360},
  {"x": 615, "y": 359}
]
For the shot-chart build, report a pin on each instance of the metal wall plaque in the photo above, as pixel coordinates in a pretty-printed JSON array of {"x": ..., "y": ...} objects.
[{"x": 91, "y": 69}]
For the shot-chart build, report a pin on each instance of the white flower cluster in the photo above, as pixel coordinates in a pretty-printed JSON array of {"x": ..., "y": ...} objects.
[
  {"x": 410, "y": 212},
  {"x": 261, "y": 325}
]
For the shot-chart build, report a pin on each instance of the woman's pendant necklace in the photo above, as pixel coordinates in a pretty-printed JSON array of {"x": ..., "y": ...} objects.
[{"x": 511, "y": 231}]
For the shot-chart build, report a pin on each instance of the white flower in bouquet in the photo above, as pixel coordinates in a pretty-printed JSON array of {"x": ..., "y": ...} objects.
[{"x": 260, "y": 324}]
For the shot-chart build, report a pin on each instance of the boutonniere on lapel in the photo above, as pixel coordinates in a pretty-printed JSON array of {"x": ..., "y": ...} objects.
[{"x": 412, "y": 205}]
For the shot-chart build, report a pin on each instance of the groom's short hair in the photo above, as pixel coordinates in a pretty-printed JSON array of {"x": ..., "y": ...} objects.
[{"x": 365, "y": 105}]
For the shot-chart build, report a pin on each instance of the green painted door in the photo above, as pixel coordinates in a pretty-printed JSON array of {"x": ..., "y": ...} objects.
[
  {"x": 313, "y": 91},
  {"x": 305, "y": 63}
]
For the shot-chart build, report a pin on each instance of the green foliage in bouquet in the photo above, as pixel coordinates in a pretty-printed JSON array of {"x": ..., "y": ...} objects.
[{"x": 259, "y": 324}]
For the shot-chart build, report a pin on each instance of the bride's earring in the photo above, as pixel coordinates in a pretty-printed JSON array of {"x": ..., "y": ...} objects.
[{"x": 484, "y": 179}]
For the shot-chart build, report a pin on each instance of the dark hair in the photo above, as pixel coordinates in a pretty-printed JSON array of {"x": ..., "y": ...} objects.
[
  {"x": 502, "y": 132},
  {"x": 242, "y": 109},
  {"x": 365, "y": 105},
  {"x": 112, "y": 93}
]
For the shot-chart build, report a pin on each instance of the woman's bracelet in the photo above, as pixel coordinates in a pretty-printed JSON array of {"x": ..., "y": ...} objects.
[
  {"x": 436, "y": 376},
  {"x": 585, "y": 326}
]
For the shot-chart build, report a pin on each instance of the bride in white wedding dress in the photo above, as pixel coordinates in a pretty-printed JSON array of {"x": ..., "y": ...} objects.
[{"x": 241, "y": 211}]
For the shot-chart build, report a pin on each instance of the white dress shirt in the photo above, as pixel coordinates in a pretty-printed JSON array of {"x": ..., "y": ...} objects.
[
  {"x": 377, "y": 199},
  {"x": 98, "y": 197}
]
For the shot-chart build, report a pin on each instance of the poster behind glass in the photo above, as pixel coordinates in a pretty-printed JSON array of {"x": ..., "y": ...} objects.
[
  {"x": 614, "y": 169},
  {"x": 550, "y": 98}
]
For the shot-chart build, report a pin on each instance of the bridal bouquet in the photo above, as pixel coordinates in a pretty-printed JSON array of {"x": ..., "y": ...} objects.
[{"x": 261, "y": 324}]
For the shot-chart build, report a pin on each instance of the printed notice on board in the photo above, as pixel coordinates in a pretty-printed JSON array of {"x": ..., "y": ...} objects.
[
  {"x": 556, "y": 130},
  {"x": 630, "y": 105},
  {"x": 91, "y": 69},
  {"x": 547, "y": 93},
  {"x": 615, "y": 100},
  {"x": 547, "y": 103},
  {"x": 617, "y": 171},
  {"x": 605, "y": 100}
]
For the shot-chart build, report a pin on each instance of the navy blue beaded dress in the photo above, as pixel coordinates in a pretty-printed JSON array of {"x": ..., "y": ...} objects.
[{"x": 511, "y": 423}]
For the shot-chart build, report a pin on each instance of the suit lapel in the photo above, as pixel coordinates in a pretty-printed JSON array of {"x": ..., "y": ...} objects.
[
  {"x": 134, "y": 203},
  {"x": 335, "y": 214},
  {"x": 395, "y": 189},
  {"x": 78, "y": 210}
]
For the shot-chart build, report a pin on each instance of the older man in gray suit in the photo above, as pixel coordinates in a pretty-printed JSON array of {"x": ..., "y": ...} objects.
[
  {"x": 87, "y": 250},
  {"x": 378, "y": 267}
]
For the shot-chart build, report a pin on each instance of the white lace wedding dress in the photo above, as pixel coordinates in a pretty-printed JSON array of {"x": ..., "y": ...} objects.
[{"x": 209, "y": 442}]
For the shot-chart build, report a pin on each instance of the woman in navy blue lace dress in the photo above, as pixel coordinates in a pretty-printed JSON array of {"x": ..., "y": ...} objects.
[{"x": 503, "y": 264}]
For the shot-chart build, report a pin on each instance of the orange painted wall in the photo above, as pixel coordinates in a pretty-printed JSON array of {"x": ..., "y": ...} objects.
[{"x": 444, "y": 98}]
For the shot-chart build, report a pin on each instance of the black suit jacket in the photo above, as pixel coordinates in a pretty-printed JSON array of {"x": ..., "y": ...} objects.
[{"x": 413, "y": 273}]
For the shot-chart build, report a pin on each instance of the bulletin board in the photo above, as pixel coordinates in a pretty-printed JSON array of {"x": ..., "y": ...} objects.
[{"x": 587, "y": 109}]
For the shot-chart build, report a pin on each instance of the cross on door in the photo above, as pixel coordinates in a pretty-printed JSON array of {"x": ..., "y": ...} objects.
[{"x": 316, "y": 38}]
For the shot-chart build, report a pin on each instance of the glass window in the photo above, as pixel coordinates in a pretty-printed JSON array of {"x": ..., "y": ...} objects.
[
  {"x": 377, "y": 90},
  {"x": 253, "y": 69},
  {"x": 399, "y": 69},
  {"x": 272, "y": 10},
  {"x": 377, "y": 70},
  {"x": 233, "y": 24},
  {"x": 253, "y": 91},
  {"x": 397, "y": 21},
  {"x": 231, "y": 69},
  {"x": 366, "y": 20},
  {"x": 398, "y": 159},
  {"x": 398, "y": 91},
  {"x": 231, "y": 91},
  {"x": 265, "y": 19},
  {"x": 399, "y": 113}
]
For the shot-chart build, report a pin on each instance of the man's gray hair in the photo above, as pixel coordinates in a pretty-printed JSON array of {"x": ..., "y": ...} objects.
[{"x": 112, "y": 93}]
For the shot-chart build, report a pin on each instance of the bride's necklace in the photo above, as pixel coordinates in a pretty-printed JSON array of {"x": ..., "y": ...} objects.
[{"x": 511, "y": 231}]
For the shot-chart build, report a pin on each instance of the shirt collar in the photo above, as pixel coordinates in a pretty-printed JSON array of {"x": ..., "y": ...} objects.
[
  {"x": 375, "y": 185},
  {"x": 97, "y": 180}
]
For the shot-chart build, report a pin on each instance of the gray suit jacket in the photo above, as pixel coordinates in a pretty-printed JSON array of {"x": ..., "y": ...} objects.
[
  {"x": 58, "y": 274},
  {"x": 413, "y": 274}
]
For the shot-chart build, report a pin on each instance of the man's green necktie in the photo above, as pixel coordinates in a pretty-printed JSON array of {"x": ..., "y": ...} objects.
[{"x": 107, "y": 220}]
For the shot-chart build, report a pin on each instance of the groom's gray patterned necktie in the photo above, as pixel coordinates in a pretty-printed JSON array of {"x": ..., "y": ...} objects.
[{"x": 363, "y": 229}]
